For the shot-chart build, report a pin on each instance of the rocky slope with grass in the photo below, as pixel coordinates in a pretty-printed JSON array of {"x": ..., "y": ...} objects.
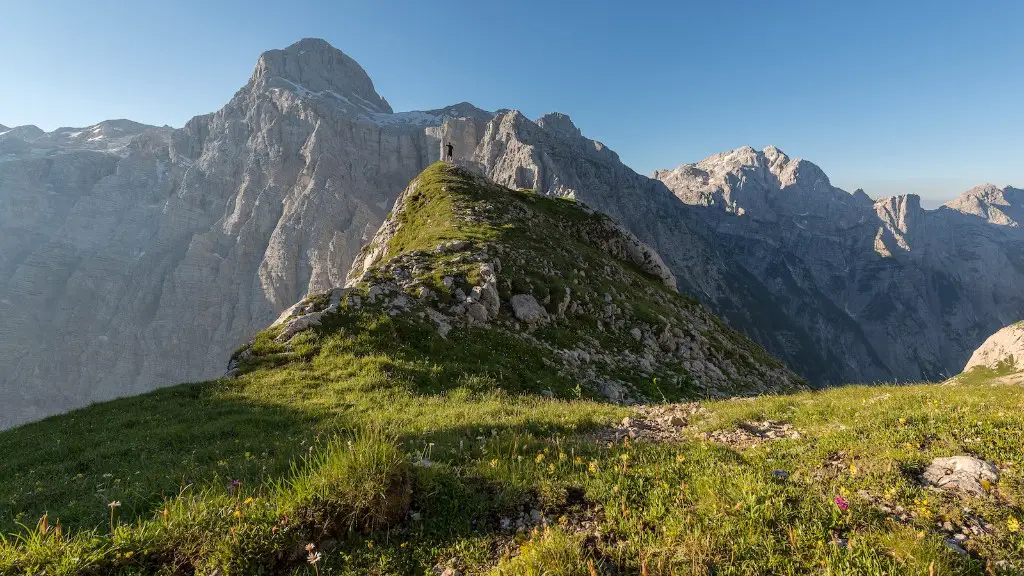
[
  {"x": 465, "y": 404},
  {"x": 567, "y": 284}
]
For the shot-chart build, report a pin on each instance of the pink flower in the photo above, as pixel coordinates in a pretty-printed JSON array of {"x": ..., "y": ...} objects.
[{"x": 842, "y": 503}]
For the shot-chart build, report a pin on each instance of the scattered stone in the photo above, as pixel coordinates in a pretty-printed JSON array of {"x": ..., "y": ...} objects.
[
  {"x": 527, "y": 309},
  {"x": 963, "y": 474},
  {"x": 477, "y": 312},
  {"x": 653, "y": 423},
  {"x": 752, "y": 433},
  {"x": 955, "y": 546},
  {"x": 780, "y": 475}
]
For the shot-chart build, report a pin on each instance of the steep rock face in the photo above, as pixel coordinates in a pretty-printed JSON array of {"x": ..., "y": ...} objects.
[
  {"x": 1002, "y": 350},
  {"x": 911, "y": 291},
  {"x": 135, "y": 257}
]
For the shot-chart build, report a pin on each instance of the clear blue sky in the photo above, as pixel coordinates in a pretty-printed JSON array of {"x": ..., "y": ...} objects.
[{"x": 893, "y": 96}]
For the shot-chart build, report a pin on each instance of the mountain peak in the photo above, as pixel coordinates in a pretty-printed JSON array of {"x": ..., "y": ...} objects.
[
  {"x": 1003, "y": 206},
  {"x": 560, "y": 124},
  {"x": 314, "y": 65}
]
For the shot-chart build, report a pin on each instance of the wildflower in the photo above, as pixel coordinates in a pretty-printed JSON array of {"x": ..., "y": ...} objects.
[
  {"x": 314, "y": 558},
  {"x": 551, "y": 468},
  {"x": 1012, "y": 525},
  {"x": 986, "y": 485},
  {"x": 853, "y": 470},
  {"x": 310, "y": 547},
  {"x": 592, "y": 467},
  {"x": 128, "y": 554},
  {"x": 248, "y": 500},
  {"x": 233, "y": 486},
  {"x": 577, "y": 461},
  {"x": 113, "y": 506},
  {"x": 369, "y": 544},
  {"x": 842, "y": 503},
  {"x": 680, "y": 458},
  {"x": 540, "y": 457},
  {"x": 903, "y": 421},
  {"x": 494, "y": 463}
]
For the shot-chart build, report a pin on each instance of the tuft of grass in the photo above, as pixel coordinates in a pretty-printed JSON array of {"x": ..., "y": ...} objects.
[{"x": 550, "y": 552}]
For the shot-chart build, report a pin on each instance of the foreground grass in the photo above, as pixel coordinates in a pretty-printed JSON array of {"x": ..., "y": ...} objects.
[{"x": 184, "y": 463}]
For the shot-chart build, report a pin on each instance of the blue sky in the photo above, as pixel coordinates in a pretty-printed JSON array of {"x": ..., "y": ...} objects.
[{"x": 923, "y": 97}]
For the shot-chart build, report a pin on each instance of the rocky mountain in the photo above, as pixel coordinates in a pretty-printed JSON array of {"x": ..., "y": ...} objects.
[
  {"x": 133, "y": 257},
  {"x": 893, "y": 290}
]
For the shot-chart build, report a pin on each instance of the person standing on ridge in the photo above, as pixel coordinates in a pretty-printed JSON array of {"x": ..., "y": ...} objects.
[{"x": 449, "y": 152}]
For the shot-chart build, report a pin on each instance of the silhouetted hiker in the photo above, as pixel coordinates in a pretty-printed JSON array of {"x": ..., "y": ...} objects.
[{"x": 450, "y": 151}]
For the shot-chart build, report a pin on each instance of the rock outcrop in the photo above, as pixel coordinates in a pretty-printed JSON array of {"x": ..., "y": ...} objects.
[
  {"x": 964, "y": 474},
  {"x": 1003, "y": 350}
]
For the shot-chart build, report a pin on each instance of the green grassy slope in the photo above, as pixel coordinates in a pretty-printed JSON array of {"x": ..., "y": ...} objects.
[{"x": 393, "y": 450}]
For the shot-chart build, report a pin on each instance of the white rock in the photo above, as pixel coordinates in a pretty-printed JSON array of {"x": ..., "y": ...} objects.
[
  {"x": 961, "y": 474},
  {"x": 527, "y": 309}
]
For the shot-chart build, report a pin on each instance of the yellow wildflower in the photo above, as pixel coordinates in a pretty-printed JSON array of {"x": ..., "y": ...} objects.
[
  {"x": 540, "y": 457},
  {"x": 1012, "y": 525}
]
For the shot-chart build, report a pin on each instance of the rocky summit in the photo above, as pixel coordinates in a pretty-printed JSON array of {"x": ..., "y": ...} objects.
[{"x": 134, "y": 257}]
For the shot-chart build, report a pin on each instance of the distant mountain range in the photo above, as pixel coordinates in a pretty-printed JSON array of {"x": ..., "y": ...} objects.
[{"x": 134, "y": 257}]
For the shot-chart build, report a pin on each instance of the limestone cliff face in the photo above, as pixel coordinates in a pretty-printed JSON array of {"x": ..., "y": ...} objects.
[
  {"x": 1003, "y": 350},
  {"x": 133, "y": 257}
]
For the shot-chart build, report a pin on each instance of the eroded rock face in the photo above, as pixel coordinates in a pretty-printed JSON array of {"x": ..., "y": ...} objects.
[{"x": 885, "y": 288}]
